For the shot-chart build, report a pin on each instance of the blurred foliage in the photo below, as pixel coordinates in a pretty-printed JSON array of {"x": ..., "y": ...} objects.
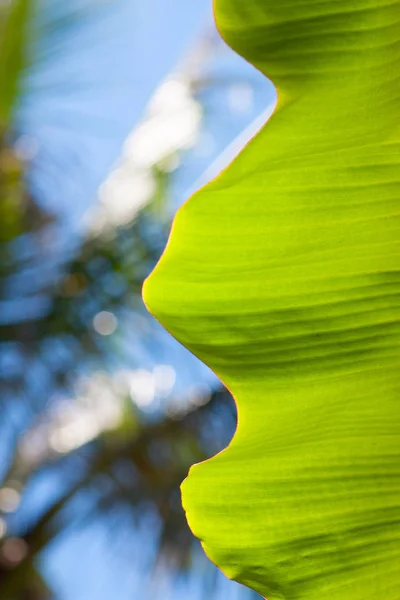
[
  {"x": 14, "y": 20},
  {"x": 137, "y": 471},
  {"x": 103, "y": 273},
  {"x": 142, "y": 460},
  {"x": 51, "y": 288}
]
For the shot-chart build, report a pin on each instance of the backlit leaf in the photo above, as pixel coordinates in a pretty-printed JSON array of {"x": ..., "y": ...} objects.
[{"x": 283, "y": 275}]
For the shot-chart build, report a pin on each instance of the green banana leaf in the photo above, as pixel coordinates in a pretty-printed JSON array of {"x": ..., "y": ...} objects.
[{"x": 283, "y": 275}]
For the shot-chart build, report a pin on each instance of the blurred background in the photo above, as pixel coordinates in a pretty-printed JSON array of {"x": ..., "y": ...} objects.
[{"x": 112, "y": 112}]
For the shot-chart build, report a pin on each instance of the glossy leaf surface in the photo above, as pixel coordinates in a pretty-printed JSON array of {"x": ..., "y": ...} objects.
[{"x": 283, "y": 275}]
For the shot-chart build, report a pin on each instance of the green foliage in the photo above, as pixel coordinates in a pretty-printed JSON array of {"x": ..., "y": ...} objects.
[
  {"x": 283, "y": 276},
  {"x": 14, "y": 20}
]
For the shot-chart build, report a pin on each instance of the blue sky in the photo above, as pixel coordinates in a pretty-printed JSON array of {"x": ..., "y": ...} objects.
[{"x": 89, "y": 90}]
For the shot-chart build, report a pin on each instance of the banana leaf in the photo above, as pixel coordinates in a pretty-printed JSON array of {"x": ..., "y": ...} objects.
[{"x": 283, "y": 275}]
